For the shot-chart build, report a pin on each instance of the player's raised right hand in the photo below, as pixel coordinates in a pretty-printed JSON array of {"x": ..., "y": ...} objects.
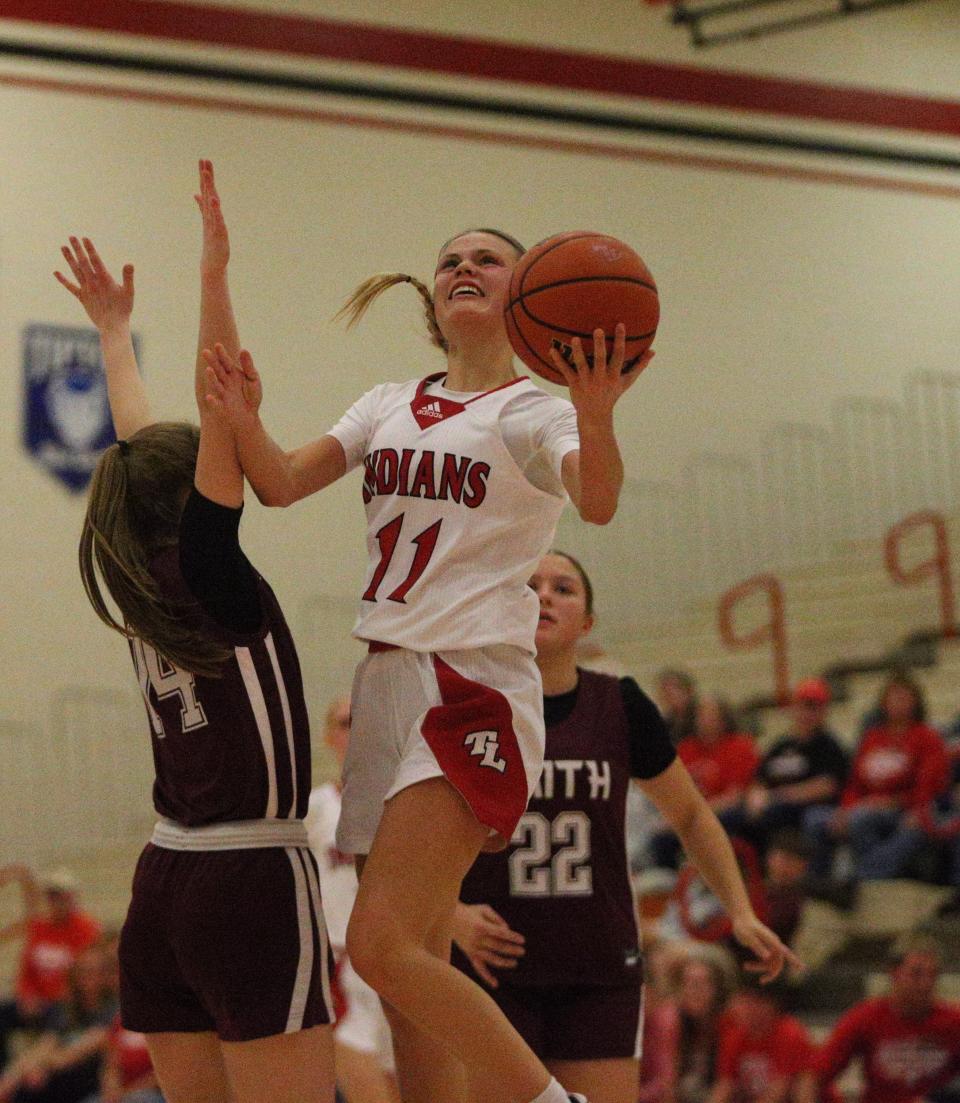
[
  {"x": 107, "y": 303},
  {"x": 234, "y": 390}
]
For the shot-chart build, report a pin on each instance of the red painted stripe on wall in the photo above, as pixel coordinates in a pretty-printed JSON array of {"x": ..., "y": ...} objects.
[
  {"x": 689, "y": 161},
  {"x": 493, "y": 60}
]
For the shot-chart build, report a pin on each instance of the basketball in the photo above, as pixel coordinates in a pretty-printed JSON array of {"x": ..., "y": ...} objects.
[{"x": 572, "y": 284}]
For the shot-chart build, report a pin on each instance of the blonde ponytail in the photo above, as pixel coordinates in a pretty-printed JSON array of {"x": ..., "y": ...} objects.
[{"x": 357, "y": 305}]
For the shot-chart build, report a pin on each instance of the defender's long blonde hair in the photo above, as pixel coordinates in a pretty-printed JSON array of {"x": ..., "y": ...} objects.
[
  {"x": 360, "y": 300},
  {"x": 136, "y": 499}
]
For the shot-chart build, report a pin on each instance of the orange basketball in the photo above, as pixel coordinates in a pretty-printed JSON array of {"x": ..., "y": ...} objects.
[{"x": 572, "y": 284}]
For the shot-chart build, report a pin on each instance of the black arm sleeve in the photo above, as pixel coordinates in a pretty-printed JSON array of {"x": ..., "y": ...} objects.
[
  {"x": 651, "y": 751},
  {"x": 214, "y": 567}
]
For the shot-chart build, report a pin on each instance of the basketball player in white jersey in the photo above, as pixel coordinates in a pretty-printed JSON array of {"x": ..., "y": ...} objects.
[{"x": 465, "y": 474}]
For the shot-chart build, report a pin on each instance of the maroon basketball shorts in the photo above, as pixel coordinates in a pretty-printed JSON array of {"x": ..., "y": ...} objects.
[
  {"x": 576, "y": 1022},
  {"x": 229, "y": 941}
]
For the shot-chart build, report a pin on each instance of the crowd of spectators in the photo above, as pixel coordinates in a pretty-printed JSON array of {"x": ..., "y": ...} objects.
[
  {"x": 889, "y": 809},
  {"x": 713, "y": 1034},
  {"x": 807, "y": 819},
  {"x": 61, "y": 1040}
]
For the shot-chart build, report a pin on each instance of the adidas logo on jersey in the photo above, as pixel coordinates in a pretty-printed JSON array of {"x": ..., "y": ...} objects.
[{"x": 428, "y": 409}]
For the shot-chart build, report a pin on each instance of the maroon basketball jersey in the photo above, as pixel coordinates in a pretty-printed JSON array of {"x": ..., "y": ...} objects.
[
  {"x": 236, "y": 747},
  {"x": 563, "y": 882}
]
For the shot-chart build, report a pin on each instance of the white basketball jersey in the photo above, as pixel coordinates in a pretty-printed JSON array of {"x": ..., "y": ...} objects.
[
  {"x": 455, "y": 528},
  {"x": 338, "y": 880}
]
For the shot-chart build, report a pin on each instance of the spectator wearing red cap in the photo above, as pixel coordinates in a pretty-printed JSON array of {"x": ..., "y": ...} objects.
[
  {"x": 803, "y": 770},
  {"x": 899, "y": 768},
  {"x": 907, "y": 1042}
]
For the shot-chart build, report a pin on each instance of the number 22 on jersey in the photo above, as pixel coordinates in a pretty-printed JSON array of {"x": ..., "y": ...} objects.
[
  {"x": 166, "y": 680},
  {"x": 536, "y": 871}
]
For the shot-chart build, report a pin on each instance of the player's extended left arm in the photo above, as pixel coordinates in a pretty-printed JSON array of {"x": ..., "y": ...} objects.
[
  {"x": 708, "y": 847},
  {"x": 218, "y": 475},
  {"x": 594, "y": 475},
  {"x": 217, "y": 321}
]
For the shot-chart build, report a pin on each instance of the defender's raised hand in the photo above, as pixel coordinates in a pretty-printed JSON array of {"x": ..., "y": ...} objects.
[
  {"x": 107, "y": 303},
  {"x": 216, "y": 240}
]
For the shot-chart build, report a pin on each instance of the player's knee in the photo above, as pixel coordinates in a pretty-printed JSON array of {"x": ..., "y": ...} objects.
[{"x": 371, "y": 946}]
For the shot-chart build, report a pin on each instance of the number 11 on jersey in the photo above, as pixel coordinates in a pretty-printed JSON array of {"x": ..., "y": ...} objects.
[{"x": 388, "y": 537}]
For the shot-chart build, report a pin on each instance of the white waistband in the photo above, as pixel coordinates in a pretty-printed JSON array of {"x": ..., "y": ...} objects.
[{"x": 234, "y": 835}]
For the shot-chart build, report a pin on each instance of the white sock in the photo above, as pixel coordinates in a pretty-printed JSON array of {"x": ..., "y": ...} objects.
[{"x": 554, "y": 1093}]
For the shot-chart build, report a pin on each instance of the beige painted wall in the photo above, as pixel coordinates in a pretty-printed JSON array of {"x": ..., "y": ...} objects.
[{"x": 778, "y": 297}]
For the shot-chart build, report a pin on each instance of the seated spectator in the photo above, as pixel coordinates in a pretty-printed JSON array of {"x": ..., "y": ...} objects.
[
  {"x": 109, "y": 945},
  {"x": 899, "y": 768},
  {"x": 765, "y": 1056},
  {"x": 676, "y": 695},
  {"x": 941, "y": 820},
  {"x": 908, "y": 1042},
  {"x": 721, "y": 761},
  {"x": 687, "y": 1026},
  {"x": 127, "y": 1074},
  {"x": 660, "y": 956},
  {"x": 55, "y": 930},
  {"x": 64, "y": 1065},
  {"x": 806, "y": 768},
  {"x": 787, "y": 881}
]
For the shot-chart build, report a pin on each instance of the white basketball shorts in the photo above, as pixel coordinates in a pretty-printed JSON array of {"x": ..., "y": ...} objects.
[{"x": 473, "y": 717}]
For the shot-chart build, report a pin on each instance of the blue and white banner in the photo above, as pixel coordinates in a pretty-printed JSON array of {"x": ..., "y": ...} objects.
[{"x": 66, "y": 417}]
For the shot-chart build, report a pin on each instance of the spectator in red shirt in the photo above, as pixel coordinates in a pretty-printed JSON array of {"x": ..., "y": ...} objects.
[
  {"x": 63, "y": 1065},
  {"x": 764, "y": 1056},
  {"x": 127, "y": 1075},
  {"x": 721, "y": 761},
  {"x": 907, "y": 1042},
  {"x": 55, "y": 931},
  {"x": 900, "y": 767}
]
